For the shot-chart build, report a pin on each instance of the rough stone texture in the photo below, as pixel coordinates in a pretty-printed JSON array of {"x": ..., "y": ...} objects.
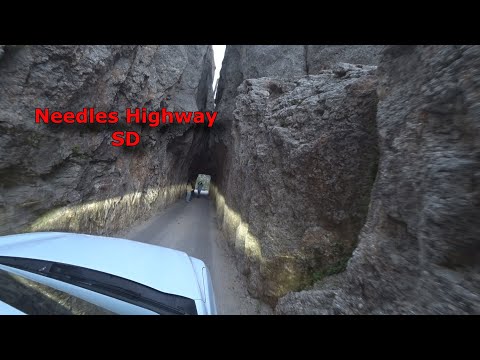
[
  {"x": 297, "y": 173},
  {"x": 320, "y": 57},
  {"x": 281, "y": 61},
  {"x": 419, "y": 252},
  {"x": 69, "y": 177}
]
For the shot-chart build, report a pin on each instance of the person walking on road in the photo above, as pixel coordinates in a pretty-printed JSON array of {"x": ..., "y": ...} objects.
[
  {"x": 200, "y": 185},
  {"x": 189, "y": 191},
  {"x": 192, "y": 194}
]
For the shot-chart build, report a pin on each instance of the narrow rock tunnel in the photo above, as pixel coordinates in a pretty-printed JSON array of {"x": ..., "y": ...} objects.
[
  {"x": 204, "y": 159},
  {"x": 318, "y": 181}
]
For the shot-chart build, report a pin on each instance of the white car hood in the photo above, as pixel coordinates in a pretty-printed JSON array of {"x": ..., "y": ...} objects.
[{"x": 164, "y": 269}]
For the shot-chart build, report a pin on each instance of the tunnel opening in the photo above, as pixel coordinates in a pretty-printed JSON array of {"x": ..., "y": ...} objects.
[
  {"x": 203, "y": 158},
  {"x": 202, "y": 185}
]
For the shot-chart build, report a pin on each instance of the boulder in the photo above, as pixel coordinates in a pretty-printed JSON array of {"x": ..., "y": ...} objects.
[
  {"x": 419, "y": 251},
  {"x": 298, "y": 171}
]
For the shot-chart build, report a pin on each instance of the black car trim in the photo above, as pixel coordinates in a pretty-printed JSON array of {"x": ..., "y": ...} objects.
[{"x": 106, "y": 284}]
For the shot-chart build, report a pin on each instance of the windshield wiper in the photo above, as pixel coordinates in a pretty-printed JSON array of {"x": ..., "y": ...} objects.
[
  {"x": 107, "y": 284},
  {"x": 122, "y": 293}
]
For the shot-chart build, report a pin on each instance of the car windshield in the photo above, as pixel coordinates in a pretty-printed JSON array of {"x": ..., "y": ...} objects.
[{"x": 13, "y": 288}]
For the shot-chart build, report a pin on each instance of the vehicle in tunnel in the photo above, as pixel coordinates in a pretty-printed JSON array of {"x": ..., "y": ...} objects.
[
  {"x": 202, "y": 193},
  {"x": 67, "y": 273},
  {"x": 202, "y": 185}
]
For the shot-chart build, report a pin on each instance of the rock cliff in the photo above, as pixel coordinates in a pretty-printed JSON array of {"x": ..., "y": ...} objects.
[
  {"x": 419, "y": 251},
  {"x": 243, "y": 62},
  {"x": 296, "y": 158},
  {"x": 342, "y": 187},
  {"x": 70, "y": 177}
]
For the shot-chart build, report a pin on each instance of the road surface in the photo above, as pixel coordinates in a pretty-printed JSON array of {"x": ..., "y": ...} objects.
[{"x": 191, "y": 227}]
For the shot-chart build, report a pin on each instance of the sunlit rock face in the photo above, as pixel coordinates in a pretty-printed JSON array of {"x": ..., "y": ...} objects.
[
  {"x": 296, "y": 159},
  {"x": 419, "y": 251},
  {"x": 69, "y": 177}
]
